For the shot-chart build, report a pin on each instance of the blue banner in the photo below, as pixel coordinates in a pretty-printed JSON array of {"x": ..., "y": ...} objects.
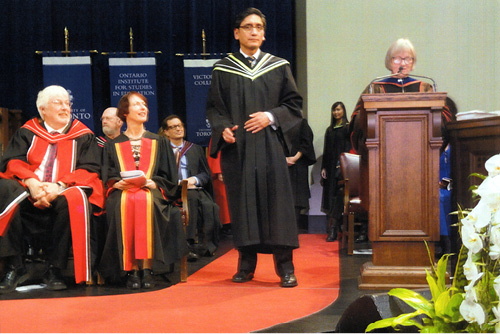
[
  {"x": 74, "y": 74},
  {"x": 135, "y": 74},
  {"x": 197, "y": 77}
]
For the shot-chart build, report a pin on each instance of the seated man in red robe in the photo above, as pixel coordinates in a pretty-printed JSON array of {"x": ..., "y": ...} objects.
[{"x": 49, "y": 180}]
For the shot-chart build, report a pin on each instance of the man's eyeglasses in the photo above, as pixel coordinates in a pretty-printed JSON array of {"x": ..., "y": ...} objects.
[
  {"x": 249, "y": 27},
  {"x": 176, "y": 126},
  {"x": 399, "y": 60},
  {"x": 59, "y": 103}
]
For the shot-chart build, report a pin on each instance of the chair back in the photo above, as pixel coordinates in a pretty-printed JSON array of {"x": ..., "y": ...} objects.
[{"x": 349, "y": 166}]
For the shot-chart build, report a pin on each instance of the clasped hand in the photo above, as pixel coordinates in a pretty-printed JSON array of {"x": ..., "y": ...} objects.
[
  {"x": 257, "y": 122},
  {"x": 42, "y": 192}
]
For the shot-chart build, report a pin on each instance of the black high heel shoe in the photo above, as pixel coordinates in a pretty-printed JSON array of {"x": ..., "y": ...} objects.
[
  {"x": 148, "y": 280},
  {"x": 133, "y": 280}
]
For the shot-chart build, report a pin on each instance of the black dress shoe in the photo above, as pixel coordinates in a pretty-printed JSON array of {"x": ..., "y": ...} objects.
[
  {"x": 289, "y": 280},
  {"x": 133, "y": 280},
  {"x": 332, "y": 236},
  {"x": 54, "y": 280},
  {"x": 13, "y": 277},
  {"x": 208, "y": 253},
  {"x": 192, "y": 257},
  {"x": 361, "y": 238},
  {"x": 148, "y": 280},
  {"x": 242, "y": 277}
]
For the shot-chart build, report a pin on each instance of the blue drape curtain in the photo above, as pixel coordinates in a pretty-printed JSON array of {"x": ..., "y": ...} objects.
[{"x": 169, "y": 26}]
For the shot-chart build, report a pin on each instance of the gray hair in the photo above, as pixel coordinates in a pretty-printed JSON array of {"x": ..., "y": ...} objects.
[
  {"x": 47, "y": 93},
  {"x": 402, "y": 44}
]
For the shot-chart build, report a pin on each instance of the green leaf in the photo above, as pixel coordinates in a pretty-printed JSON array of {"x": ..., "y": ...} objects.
[
  {"x": 481, "y": 176},
  {"x": 452, "y": 308},
  {"x": 440, "y": 305},
  {"x": 401, "y": 320},
  {"x": 441, "y": 272},
  {"x": 384, "y": 323},
  {"x": 432, "y": 286},
  {"x": 431, "y": 259},
  {"x": 413, "y": 299}
]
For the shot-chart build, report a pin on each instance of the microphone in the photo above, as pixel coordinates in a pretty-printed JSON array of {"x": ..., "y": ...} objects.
[{"x": 400, "y": 80}]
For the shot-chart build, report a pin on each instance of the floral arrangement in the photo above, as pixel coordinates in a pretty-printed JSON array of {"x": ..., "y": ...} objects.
[{"x": 471, "y": 304}]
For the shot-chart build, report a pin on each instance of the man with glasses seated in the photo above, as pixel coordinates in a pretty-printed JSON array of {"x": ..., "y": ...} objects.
[
  {"x": 202, "y": 233},
  {"x": 49, "y": 181}
]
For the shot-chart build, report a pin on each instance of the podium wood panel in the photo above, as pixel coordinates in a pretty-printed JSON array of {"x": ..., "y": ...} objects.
[
  {"x": 472, "y": 142},
  {"x": 400, "y": 175}
]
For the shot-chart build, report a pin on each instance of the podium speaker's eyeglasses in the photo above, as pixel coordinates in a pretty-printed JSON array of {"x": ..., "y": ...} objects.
[{"x": 399, "y": 60}]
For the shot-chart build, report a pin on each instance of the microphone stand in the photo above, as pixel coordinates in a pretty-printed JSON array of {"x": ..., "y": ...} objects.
[
  {"x": 380, "y": 78},
  {"x": 434, "y": 85}
]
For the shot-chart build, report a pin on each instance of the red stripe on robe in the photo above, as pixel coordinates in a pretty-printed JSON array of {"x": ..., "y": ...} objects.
[
  {"x": 10, "y": 211},
  {"x": 79, "y": 216},
  {"x": 137, "y": 205}
]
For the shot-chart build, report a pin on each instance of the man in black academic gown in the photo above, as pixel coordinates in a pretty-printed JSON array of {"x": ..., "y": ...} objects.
[
  {"x": 251, "y": 106},
  {"x": 204, "y": 223}
]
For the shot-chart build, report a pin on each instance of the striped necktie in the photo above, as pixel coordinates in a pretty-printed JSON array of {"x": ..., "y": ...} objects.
[
  {"x": 51, "y": 158},
  {"x": 251, "y": 60}
]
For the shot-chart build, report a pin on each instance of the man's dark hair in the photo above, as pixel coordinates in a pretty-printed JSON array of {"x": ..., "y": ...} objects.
[
  {"x": 164, "y": 123},
  {"x": 247, "y": 12}
]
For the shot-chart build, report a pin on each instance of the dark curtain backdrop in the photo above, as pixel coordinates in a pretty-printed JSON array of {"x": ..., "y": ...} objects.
[{"x": 169, "y": 26}]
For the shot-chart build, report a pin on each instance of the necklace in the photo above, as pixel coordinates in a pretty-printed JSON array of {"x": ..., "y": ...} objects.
[{"x": 136, "y": 138}]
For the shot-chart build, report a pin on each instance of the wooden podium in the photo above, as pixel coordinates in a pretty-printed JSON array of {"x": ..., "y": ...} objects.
[
  {"x": 400, "y": 177},
  {"x": 472, "y": 142}
]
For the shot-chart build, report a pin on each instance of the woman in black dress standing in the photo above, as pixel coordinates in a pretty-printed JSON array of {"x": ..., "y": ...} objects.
[{"x": 336, "y": 141}]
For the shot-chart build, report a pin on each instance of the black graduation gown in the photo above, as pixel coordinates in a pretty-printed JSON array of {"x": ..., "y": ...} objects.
[
  {"x": 336, "y": 141},
  {"x": 302, "y": 140},
  {"x": 255, "y": 171},
  {"x": 202, "y": 207}
]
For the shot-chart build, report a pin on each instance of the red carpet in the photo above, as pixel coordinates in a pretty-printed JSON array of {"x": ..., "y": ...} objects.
[{"x": 208, "y": 302}]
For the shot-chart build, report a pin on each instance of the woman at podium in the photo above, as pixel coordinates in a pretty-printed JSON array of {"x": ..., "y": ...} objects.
[{"x": 400, "y": 59}]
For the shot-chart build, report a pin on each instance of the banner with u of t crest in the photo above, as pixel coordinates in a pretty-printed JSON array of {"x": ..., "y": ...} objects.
[
  {"x": 72, "y": 72},
  {"x": 197, "y": 77}
]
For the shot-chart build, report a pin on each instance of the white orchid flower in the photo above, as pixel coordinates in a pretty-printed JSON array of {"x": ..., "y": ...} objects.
[
  {"x": 470, "y": 269},
  {"x": 496, "y": 313},
  {"x": 489, "y": 190},
  {"x": 471, "y": 239},
  {"x": 472, "y": 312},
  {"x": 492, "y": 165},
  {"x": 496, "y": 285},
  {"x": 479, "y": 217},
  {"x": 494, "y": 252},
  {"x": 495, "y": 218},
  {"x": 495, "y": 235}
]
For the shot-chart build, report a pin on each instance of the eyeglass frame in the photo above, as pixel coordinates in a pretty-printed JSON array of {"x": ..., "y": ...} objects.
[
  {"x": 60, "y": 103},
  {"x": 407, "y": 60},
  {"x": 176, "y": 126},
  {"x": 251, "y": 27}
]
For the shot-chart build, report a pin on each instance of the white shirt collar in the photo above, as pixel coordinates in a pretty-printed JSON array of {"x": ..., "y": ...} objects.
[
  {"x": 255, "y": 55},
  {"x": 51, "y": 129}
]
